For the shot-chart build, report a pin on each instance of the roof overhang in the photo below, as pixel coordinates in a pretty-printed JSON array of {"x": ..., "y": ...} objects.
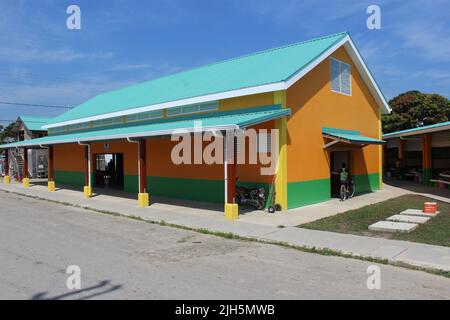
[
  {"x": 347, "y": 138},
  {"x": 228, "y": 121},
  {"x": 347, "y": 42},
  {"x": 418, "y": 131}
]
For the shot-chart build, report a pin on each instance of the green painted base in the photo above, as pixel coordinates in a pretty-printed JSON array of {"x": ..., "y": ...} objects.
[
  {"x": 426, "y": 176},
  {"x": 304, "y": 193}
]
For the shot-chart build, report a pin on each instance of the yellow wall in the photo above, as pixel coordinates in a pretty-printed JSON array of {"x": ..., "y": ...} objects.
[
  {"x": 314, "y": 106},
  {"x": 254, "y": 100}
]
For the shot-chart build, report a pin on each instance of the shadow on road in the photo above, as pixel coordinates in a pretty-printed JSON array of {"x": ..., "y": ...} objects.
[{"x": 89, "y": 292}]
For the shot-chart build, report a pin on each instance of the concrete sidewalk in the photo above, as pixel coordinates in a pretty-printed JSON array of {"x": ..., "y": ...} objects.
[{"x": 416, "y": 254}]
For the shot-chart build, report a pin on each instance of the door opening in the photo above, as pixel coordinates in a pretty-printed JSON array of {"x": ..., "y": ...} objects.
[
  {"x": 338, "y": 159},
  {"x": 109, "y": 170}
]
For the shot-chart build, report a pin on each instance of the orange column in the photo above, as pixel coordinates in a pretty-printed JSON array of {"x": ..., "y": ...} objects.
[
  {"x": 143, "y": 166},
  {"x": 426, "y": 158}
]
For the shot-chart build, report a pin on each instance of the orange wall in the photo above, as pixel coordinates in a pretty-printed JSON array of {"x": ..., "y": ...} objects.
[
  {"x": 69, "y": 157},
  {"x": 314, "y": 106}
]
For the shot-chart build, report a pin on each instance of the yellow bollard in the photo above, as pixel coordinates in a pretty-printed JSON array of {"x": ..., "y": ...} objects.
[
  {"x": 231, "y": 211},
  {"x": 87, "y": 191},
  {"x": 51, "y": 186},
  {"x": 143, "y": 200},
  {"x": 26, "y": 182},
  {"x": 7, "y": 180}
]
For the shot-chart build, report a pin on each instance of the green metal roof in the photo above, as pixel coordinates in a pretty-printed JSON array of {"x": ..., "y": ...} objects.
[
  {"x": 213, "y": 121},
  {"x": 419, "y": 130},
  {"x": 34, "y": 123},
  {"x": 352, "y": 136},
  {"x": 261, "y": 68}
]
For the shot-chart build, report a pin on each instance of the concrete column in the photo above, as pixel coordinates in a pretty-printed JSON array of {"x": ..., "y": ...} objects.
[
  {"x": 26, "y": 179},
  {"x": 143, "y": 197},
  {"x": 51, "y": 182},
  {"x": 426, "y": 159}
]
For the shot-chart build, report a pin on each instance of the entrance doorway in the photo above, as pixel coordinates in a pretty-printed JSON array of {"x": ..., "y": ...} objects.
[
  {"x": 338, "y": 159},
  {"x": 109, "y": 170}
]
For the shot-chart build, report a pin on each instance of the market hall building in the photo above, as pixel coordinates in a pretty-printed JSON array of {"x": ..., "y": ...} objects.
[{"x": 318, "y": 94}]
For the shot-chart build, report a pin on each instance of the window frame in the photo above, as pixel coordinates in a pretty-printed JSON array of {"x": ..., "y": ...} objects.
[
  {"x": 199, "y": 105},
  {"x": 340, "y": 77}
]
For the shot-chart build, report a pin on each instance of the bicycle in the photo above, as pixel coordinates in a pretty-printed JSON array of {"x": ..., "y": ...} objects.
[{"x": 347, "y": 190}]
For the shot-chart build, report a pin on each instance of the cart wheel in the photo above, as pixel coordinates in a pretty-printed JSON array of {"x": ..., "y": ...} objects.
[
  {"x": 271, "y": 209},
  {"x": 278, "y": 207}
]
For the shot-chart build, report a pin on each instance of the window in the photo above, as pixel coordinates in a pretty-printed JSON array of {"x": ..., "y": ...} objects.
[
  {"x": 79, "y": 126},
  {"x": 340, "y": 77},
  {"x": 264, "y": 142},
  {"x": 145, "y": 116},
  {"x": 107, "y": 122},
  {"x": 193, "y": 108},
  {"x": 57, "y": 130}
]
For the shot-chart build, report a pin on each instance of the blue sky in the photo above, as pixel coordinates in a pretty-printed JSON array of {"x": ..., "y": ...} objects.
[{"x": 126, "y": 42}]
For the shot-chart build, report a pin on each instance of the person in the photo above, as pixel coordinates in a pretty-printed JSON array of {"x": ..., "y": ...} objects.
[{"x": 343, "y": 174}]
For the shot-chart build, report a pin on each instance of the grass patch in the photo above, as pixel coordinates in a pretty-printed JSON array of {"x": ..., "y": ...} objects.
[{"x": 435, "y": 231}]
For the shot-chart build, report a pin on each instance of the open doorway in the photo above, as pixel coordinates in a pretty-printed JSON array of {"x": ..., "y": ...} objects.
[
  {"x": 109, "y": 170},
  {"x": 338, "y": 159}
]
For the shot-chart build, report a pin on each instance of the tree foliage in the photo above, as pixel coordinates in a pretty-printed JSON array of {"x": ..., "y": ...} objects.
[
  {"x": 414, "y": 109},
  {"x": 6, "y": 133}
]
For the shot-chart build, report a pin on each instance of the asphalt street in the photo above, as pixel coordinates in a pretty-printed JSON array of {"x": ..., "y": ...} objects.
[{"x": 122, "y": 258}]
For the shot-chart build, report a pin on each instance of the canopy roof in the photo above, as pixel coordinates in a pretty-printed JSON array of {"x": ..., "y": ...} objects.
[
  {"x": 205, "y": 122},
  {"x": 420, "y": 130},
  {"x": 348, "y": 136}
]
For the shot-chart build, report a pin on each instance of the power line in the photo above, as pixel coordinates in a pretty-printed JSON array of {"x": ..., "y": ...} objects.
[{"x": 34, "y": 105}]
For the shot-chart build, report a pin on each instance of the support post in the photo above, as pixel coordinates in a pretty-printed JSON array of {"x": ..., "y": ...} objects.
[
  {"x": 7, "y": 179},
  {"x": 231, "y": 207},
  {"x": 281, "y": 181},
  {"x": 426, "y": 159},
  {"x": 26, "y": 179},
  {"x": 143, "y": 198},
  {"x": 87, "y": 190},
  {"x": 51, "y": 182}
]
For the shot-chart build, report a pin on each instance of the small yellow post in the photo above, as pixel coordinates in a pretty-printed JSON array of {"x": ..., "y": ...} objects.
[
  {"x": 87, "y": 191},
  {"x": 143, "y": 200},
  {"x": 231, "y": 211},
  {"x": 51, "y": 186},
  {"x": 7, "y": 180},
  {"x": 26, "y": 182}
]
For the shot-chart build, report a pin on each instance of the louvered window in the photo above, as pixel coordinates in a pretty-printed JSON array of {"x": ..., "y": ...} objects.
[{"x": 340, "y": 77}]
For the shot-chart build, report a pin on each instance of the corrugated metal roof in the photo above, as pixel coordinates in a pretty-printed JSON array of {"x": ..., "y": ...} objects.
[
  {"x": 352, "y": 136},
  {"x": 34, "y": 123},
  {"x": 419, "y": 130},
  {"x": 208, "y": 122},
  {"x": 261, "y": 68}
]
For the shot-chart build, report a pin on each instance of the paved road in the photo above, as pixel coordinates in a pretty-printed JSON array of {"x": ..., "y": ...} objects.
[{"x": 122, "y": 258}]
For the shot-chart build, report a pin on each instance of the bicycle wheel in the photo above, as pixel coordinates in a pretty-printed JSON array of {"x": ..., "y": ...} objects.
[
  {"x": 343, "y": 192},
  {"x": 351, "y": 190}
]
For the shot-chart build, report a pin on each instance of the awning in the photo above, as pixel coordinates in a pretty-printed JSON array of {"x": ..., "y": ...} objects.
[
  {"x": 349, "y": 137},
  {"x": 229, "y": 120}
]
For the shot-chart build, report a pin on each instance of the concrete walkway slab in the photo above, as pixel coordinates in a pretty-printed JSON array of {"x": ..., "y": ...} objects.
[
  {"x": 417, "y": 212},
  {"x": 389, "y": 226},
  {"x": 408, "y": 219}
]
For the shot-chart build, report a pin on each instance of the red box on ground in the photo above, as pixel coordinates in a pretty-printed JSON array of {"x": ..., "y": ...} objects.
[{"x": 430, "y": 207}]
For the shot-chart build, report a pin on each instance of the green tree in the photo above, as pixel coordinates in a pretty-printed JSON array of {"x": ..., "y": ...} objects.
[
  {"x": 413, "y": 109},
  {"x": 6, "y": 133}
]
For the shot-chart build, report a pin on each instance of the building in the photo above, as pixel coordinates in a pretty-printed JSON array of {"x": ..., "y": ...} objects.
[
  {"x": 421, "y": 154},
  {"x": 27, "y": 128},
  {"x": 319, "y": 94}
]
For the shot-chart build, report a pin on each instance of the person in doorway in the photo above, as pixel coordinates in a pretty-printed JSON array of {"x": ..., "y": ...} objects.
[{"x": 343, "y": 174}]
